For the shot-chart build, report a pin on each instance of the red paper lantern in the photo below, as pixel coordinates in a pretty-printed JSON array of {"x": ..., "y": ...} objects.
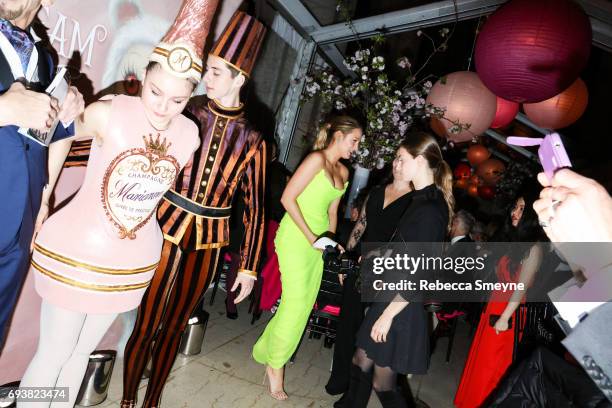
[
  {"x": 490, "y": 171},
  {"x": 473, "y": 190},
  {"x": 475, "y": 179},
  {"x": 466, "y": 100},
  {"x": 476, "y": 154},
  {"x": 486, "y": 192},
  {"x": 506, "y": 112},
  {"x": 462, "y": 171},
  {"x": 531, "y": 50},
  {"x": 461, "y": 183},
  {"x": 562, "y": 110}
]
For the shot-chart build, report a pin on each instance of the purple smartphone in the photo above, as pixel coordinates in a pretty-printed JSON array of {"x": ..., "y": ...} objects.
[{"x": 552, "y": 154}]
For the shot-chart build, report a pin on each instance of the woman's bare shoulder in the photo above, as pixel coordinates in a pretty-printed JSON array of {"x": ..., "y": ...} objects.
[{"x": 344, "y": 172}]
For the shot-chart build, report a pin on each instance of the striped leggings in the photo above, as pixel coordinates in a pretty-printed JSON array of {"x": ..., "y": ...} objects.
[{"x": 175, "y": 291}]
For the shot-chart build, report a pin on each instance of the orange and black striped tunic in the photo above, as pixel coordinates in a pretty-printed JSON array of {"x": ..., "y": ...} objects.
[{"x": 232, "y": 155}]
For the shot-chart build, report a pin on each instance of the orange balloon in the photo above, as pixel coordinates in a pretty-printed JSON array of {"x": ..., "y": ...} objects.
[
  {"x": 490, "y": 171},
  {"x": 476, "y": 154},
  {"x": 461, "y": 183},
  {"x": 473, "y": 190},
  {"x": 562, "y": 110}
]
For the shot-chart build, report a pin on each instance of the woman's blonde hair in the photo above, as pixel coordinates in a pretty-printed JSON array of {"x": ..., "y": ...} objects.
[
  {"x": 344, "y": 124},
  {"x": 424, "y": 144}
]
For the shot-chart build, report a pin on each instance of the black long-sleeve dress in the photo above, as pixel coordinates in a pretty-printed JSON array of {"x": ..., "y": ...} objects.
[
  {"x": 380, "y": 225},
  {"x": 406, "y": 349}
]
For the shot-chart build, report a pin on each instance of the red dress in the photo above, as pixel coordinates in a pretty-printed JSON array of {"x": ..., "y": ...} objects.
[{"x": 490, "y": 354}]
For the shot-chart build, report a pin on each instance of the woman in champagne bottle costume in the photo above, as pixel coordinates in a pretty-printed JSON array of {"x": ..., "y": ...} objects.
[{"x": 95, "y": 257}]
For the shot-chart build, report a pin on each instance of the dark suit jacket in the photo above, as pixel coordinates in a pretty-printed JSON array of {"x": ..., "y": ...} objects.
[{"x": 23, "y": 162}]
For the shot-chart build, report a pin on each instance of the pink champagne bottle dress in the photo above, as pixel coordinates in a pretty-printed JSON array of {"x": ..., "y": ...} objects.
[{"x": 98, "y": 254}]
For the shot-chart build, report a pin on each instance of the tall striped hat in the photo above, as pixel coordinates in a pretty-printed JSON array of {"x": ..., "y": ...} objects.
[
  {"x": 240, "y": 42},
  {"x": 180, "y": 51}
]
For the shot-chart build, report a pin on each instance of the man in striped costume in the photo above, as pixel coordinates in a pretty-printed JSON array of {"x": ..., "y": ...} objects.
[{"x": 195, "y": 214}]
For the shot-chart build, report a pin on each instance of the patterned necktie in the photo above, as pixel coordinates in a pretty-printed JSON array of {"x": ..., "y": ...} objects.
[{"x": 20, "y": 40}]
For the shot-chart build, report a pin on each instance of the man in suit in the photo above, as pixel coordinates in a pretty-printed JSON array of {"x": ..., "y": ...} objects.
[
  {"x": 461, "y": 227},
  {"x": 26, "y": 70}
]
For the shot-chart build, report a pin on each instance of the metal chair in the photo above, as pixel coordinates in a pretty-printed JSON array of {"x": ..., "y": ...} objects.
[{"x": 325, "y": 313}]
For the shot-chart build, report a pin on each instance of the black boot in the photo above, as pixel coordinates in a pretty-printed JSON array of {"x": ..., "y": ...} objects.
[
  {"x": 360, "y": 388},
  {"x": 391, "y": 399}
]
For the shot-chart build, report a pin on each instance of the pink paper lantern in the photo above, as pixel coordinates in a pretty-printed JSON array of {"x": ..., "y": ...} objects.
[
  {"x": 531, "y": 50},
  {"x": 562, "y": 110},
  {"x": 467, "y": 101},
  {"x": 506, "y": 112}
]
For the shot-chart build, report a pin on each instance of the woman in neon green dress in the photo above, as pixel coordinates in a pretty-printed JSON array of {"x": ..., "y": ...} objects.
[{"x": 311, "y": 199}]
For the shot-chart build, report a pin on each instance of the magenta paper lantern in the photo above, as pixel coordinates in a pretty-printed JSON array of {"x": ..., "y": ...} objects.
[
  {"x": 506, "y": 112},
  {"x": 531, "y": 50},
  {"x": 467, "y": 101},
  {"x": 562, "y": 110}
]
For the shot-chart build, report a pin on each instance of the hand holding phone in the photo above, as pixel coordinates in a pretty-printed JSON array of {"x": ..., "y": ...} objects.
[{"x": 552, "y": 153}]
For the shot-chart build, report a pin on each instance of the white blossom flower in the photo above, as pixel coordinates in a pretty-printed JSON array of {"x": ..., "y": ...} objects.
[
  {"x": 380, "y": 163},
  {"x": 454, "y": 129},
  {"x": 427, "y": 85},
  {"x": 364, "y": 77},
  {"x": 404, "y": 63},
  {"x": 364, "y": 69},
  {"x": 395, "y": 118}
]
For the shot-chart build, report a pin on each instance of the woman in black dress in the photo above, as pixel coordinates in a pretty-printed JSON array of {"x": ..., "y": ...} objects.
[
  {"x": 394, "y": 335},
  {"x": 376, "y": 223}
]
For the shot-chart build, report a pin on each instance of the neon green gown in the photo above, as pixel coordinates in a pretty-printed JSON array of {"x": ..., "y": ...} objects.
[{"x": 301, "y": 268}]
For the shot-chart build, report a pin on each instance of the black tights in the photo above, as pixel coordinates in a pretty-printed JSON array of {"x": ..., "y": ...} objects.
[{"x": 384, "y": 378}]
